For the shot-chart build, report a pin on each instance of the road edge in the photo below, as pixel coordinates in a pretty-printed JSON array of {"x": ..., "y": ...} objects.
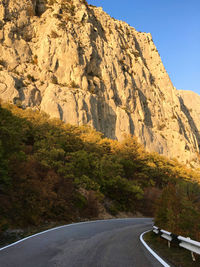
[
  {"x": 59, "y": 227},
  {"x": 151, "y": 251}
]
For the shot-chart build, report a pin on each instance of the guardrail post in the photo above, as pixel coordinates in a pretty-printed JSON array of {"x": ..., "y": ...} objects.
[
  {"x": 184, "y": 242},
  {"x": 193, "y": 257}
]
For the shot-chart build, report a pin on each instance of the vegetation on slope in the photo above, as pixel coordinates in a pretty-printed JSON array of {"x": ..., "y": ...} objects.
[
  {"x": 178, "y": 210},
  {"x": 51, "y": 171}
]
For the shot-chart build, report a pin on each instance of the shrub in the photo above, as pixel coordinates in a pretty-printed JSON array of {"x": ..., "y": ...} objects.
[
  {"x": 178, "y": 210},
  {"x": 54, "y": 80},
  {"x": 73, "y": 84},
  {"x": 51, "y": 171},
  {"x": 31, "y": 78},
  {"x": 136, "y": 54},
  {"x": 35, "y": 59},
  {"x": 51, "y": 2},
  {"x": 85, "y": 182},
  {"x": 161, "y": 127},
  {"x": 3, "y": 63},
  {"x": 54, "y": 34}
]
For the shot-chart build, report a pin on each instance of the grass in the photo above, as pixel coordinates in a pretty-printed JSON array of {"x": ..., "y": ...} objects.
[{"x": 175, "y": 255}]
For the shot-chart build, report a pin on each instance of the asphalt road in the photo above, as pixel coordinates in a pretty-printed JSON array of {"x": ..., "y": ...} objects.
[{"x": 109, "y": 243}]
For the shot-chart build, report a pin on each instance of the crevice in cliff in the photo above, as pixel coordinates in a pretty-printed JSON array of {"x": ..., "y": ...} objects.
[
  {"x": 146, "y": 110},
  {"x": 191, "y": 122},
  {"x": 138, "y": 50},
  {"x": 182, "y": 129},
  {"x": 97, "y": 27}
]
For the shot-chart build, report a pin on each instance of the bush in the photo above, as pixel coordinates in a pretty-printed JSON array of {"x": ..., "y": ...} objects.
[
  {"x": 35, "y": 59},
  {"x": 51, "y": 171},
  {"x": 3, "y": 63},
  {"x": 178, "y": 210},
  {"x": 73, "y": 85},
  {"x": 54, "y": 80}
]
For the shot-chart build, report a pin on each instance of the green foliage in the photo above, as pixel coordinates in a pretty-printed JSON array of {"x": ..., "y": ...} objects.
[
  {"x": 123, "y": 192},
  {"x": 51, "y": 171},
  {"x": 86, "y": 183},
  {"x": 178, "y": 209},
  {"x": 4, "y": 176}
]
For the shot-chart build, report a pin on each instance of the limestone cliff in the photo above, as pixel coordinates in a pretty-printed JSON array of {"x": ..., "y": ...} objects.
[
  {"x": 78, "y": 64},
  {"x": 190, "y": 104}
]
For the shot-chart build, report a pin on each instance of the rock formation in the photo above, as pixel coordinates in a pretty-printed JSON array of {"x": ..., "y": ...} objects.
[{"x": 76, "y": 63}]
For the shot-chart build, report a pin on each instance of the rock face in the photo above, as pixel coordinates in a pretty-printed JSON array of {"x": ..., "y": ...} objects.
[
  {"x": 190, "y": 104},
  {"x": 78, "y": 64}
]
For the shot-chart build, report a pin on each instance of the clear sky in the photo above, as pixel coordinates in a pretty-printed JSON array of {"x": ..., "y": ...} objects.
[{"x": 175, "y": 28}]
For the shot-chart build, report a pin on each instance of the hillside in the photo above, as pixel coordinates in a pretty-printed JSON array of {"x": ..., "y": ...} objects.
[
  {"x": 78, "y": 64},
  {"x": 56, "y": 172}
]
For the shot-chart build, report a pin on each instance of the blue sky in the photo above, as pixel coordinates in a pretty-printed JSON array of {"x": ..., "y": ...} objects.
[{"x": 175, "y": 27}]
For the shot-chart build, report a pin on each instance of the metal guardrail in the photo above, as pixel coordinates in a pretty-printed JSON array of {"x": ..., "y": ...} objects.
[{"x": 184, "y": 242}]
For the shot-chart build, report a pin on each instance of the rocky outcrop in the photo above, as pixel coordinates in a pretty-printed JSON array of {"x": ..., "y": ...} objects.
[
  {"x": 78, "y": 64},
  {"x": 190, "y": 105},
  {"x": 191, "y": 100}
]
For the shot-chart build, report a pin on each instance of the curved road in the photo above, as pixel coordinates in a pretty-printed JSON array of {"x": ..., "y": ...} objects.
[{"x": 109, "y": 243}]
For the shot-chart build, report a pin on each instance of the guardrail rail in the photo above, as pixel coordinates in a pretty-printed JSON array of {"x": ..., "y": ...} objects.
[{"x": 184, "y": 242}]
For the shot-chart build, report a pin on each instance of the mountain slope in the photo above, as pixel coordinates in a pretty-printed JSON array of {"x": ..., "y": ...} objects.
[
  {"x": 76, "y": 63},
  {"x": 52, "y": 172}
]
